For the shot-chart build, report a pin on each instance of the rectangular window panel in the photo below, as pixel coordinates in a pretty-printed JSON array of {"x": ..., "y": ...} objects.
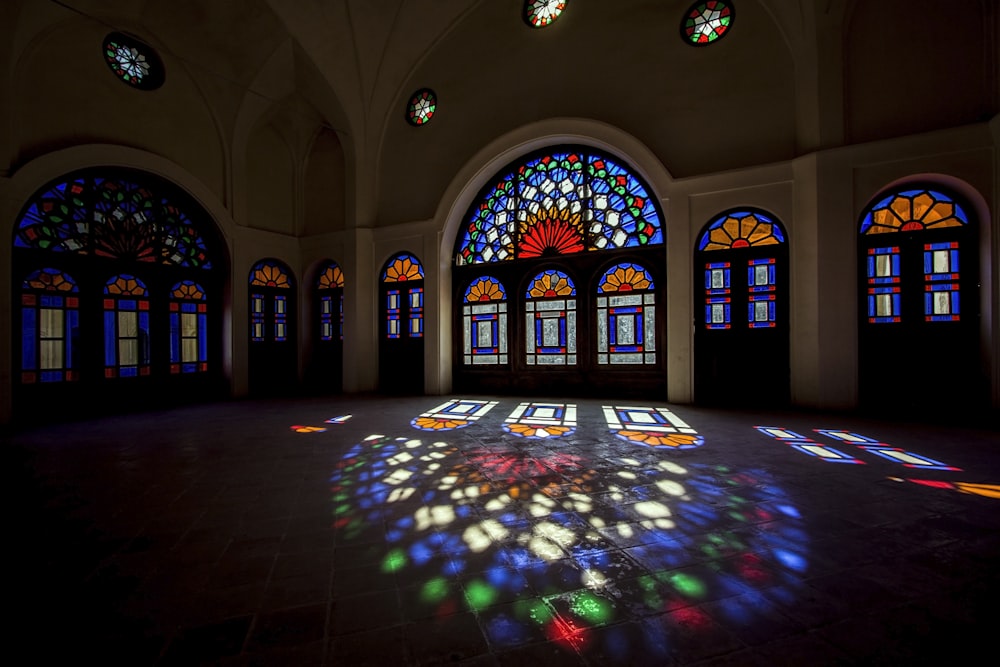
[
  {"x": 941, "y": 289},
  {"x": 392, "y": 313},
  {"x": 280, "y": 318},
  {"x": 257, "y": 317},
  {"x": 884, "y": 299},
  {"x": 51, "y": 355},
  {"x": 29, "y": 339},
  {"x": 326, "y": 317},
  {"x": 416, "y": 312}
]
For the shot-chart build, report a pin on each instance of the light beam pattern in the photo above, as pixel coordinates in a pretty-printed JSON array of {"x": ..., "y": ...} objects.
[
  {"x": 656, "y": 427},
  {"x": 535, "y": 542},
  {"x": 807, "y": 445},
  {"x": 985, "y": 490},
  {"x": 886, "y": 451},
  {"x": 452, "y": 414},
  {"x": 338, "y": 420},
  {"x": 542, "y": 420}
]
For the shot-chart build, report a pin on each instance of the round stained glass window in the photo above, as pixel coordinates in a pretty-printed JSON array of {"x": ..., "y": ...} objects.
[
  {"x": 540, "y": 13},
  {"x": 133, "y": 62},
  {"x": 422, "y": 106},
  {"x": 706, "y": 22}
]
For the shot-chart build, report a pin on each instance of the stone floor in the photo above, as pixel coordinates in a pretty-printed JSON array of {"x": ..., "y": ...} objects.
[{"x": 422, "y": 531}]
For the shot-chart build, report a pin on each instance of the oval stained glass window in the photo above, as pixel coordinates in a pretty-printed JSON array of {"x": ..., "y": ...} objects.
[
  {"x": 541, "y": 13},
  {"x": 706, "y": 22},
  {"x": 133, "y": 62},
  {"x": 421, "y": 108}
]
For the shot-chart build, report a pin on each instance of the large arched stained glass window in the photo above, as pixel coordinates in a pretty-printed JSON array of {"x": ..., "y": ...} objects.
[
  {"x": 550, "y": 320},
  {"x": 626, "y": 316},
  {"x": 561, "y": 203},
  {"x": 484, "y": 319},
  {"x": 126, "y": 327},
  {"x": 50, "y": 316},
  {"x": 188, "y": 328}
]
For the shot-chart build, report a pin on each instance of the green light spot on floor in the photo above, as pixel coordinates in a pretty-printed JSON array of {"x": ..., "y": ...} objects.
[
  {"x": 592, "y": 608},
  {"x": 479, "y": 594},
  {"x": 394, "y": 560},
  {"x": 434, "y": 590},
  {"x": 341, "y": 509},
  {"x": 688, "y": 585},
  {"x": 535, "y": 610}
]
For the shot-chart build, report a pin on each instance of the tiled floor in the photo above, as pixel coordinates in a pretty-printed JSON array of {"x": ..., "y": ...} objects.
[{"x": 243, "y": 533}]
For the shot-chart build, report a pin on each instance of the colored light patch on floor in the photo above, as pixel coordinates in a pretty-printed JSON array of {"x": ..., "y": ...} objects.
[
  {"x": 886, "y": 451},
  {"x": 298, "y": 428},
  {"x": 338, "y": 420},
  {"x": 807, "y": 445},
  {"x": 985, "y": 490},
  {"x": 541, "y": 420},
  {"x": 655, "y": 427},
  {"x": 453, "y": 414}
]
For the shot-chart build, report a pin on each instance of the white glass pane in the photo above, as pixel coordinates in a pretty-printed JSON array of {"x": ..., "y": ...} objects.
[
  {"x": 486, "y": 308},
  {"x": 189, "y": 350},
  {"x": 127, "y": 326},
  {"x": 484, "y": 360},
  {"x": 279, "y": 305},
  {"x": 883, "y": 266},
  {"x": 942, "y": 303},
  {"x": 571, "y": 333},
  {"x": 51, "y": 352},
  {"x": 550, "y": 332},
  {"x": 649, "y": 321},
  {"x": 629, "y": 358},
  {"x": 602, "y": 330},
  {"x": 189, "y": 325},
  {"x": 760, "y": 275},
  {"x": 718, "y": 313},
  {"x": 629, "y": 300},
  {"x": 942, "y": 263},
  {"x": 551, "y": 305},
  {"x": 552, "y": 359},
  {"x": 484, "y": 334},
  {"x": 128, "y": 352},
  {"x": 50, "y": 324},
  {"x": 883, "y": 305},
  {"x": 718, "y": 279},
  {"x": 503, "y": 336},
  {"x": 626, "y": 330},
  {"x": 467, "y": 326},
  {"x": 760, "y": 311}
]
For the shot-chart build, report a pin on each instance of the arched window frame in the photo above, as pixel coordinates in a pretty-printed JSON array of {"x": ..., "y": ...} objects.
[
  {"x": 550, "y": 319},
  {"x": 330, "y": 302},
  {"x": 126, "y": 327},
  {"x": 50, "y": 316},
  {"x": 404, "y": 277},
  {"x": 270, "y": 286},
  {"x": 626, "y": 316},
  {"x": 484, "y": 319},
  {"x": 188, "y": 328}
]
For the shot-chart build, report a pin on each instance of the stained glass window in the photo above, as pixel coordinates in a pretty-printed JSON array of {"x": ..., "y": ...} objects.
[
  {"x": 718, "y": 295},
  {"x": 126, "y": 327},
  {"x": 762, "y": 293},
  {"x": 484, "y": 322},
  {"x": 626, "y": 316},
  {"x": 113, "y": 218},
  {"x": 741, "y": 229},
  {"x": 559, "y": 203},
  {"x": 50, "y": 319},
  {"x": 269, "y": 274},
  {"x": 188, "y": 328},
  {"x": 404, "y": 268},
  {"x": 421, "y": 107},
  {"x": 330, "y": 286},
  {"x": 133, "y": 62},
  {"x": 706, "y": 22},
  {"x": 913, "y": 210},
  {"x": 550, "y": 320},
  {"x": 540, "y": 13},
  {"x": 941, "y": 278},
  {"x": 883, "y": 285}
]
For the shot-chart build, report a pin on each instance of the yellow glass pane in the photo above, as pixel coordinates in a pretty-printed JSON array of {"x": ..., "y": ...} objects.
[
  {"x": 51, "y": 352},
  {"x": 903, "y": 208}
]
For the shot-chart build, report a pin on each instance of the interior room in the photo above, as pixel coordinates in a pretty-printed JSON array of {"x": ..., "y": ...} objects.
[{"x": 492, "y": 332}]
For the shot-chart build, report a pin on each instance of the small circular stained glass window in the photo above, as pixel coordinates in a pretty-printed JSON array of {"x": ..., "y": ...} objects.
[
  {"x": 706, "y": 22},
  {"x": 540, "y": 13},
  {"x": 133, "y": 62},
  {"x": 422, "y": 106}
]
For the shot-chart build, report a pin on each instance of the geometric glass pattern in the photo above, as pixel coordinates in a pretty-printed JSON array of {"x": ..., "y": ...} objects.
[
  {"x": 112, "y": 218},
  {"x": 985, "y": 490},
  {"x": 269, "y": 274},
  {"x": 941, "y": 282},
  {"x": 393, "y": 308},
  {"x": 884, "y": 303},
  {"x": 913, "y": 210},
  {"x": 626, "y": 317},
  {"x": 452, "y": 414},
  {"x": 655, "y": 427},
  {"x": 888, "y": 452},
  {"x": 416, "y": 312},
  {"x": 740, "y": 229},
  {"x": 541, "y": 420},
  {"x": 133, "y": 62},
  {"x": 421, "y": 107},
  {"x": 561, "y": 203},
  {"x": 550, "y": 320},
  {"x": 403, "y": 267},
  {"x": 50, "y": 319},
  {"x": 807, "y": 445},
  {"x": 484, "y": 320},
  {"x": 330, "y": 302},
  {"x": 540, "y": 13},
  {"x": 760, "y": 283},
  {"x": 705, "y": 22},
  {"x": 188, "y": 328},
  {"x": 126, "y": 327},
  {"x": 717, "y": 295}
]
